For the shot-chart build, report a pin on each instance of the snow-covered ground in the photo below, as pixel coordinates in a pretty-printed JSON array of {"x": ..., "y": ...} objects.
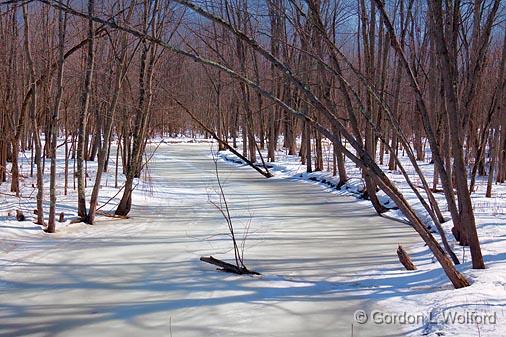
[
  {"x": 323, "y": 255},
  {"x": 443, "y": 309}
]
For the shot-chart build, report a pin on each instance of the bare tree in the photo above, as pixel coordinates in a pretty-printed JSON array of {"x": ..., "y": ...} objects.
[
  {"x": 51, "y": 226},
  {"x": 83, "y": 114}
]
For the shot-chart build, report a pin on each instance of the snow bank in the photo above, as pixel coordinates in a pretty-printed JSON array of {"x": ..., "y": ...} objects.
[{"x": 443, "y": 307}]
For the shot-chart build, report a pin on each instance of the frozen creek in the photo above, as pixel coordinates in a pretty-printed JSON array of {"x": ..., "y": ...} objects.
[{"x": 143, "y": 277}]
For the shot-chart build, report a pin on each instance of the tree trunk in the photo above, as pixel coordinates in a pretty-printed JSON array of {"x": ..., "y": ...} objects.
[
  {"x": 460, "y": 172},
  {"x": 83, "y": 115},
  {"x": 62, "y": 21},
  {"x": 103, "y": 152},
  {"x": 35, "y": 125}
]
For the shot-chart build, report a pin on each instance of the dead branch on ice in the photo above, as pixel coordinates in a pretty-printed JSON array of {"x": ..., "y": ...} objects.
[{"x": 228, "y": 267}]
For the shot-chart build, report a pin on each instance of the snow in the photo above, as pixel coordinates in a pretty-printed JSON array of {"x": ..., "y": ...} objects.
[
  {"x": 322, "y": 253},
  {"x": 430, "y": 292}
]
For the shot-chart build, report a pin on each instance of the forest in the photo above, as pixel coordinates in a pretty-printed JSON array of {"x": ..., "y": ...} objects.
[{"x": 376, "y": 87}]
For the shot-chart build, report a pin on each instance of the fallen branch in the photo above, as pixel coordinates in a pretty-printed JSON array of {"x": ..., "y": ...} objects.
[
  {"x": 114, "y": 196},
  {"x": 265, "y": 173},
  {"x": 225, "y": 266}
]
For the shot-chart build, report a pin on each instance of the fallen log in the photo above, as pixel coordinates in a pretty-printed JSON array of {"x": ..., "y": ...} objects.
[
  {"x": 228, "y": 267},
  {"x": 213, "y": 134},
  {"x": 405, "y": 259}
]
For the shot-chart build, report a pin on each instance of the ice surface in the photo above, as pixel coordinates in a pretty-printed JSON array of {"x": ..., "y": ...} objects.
[{"x": 143, "y": 276}]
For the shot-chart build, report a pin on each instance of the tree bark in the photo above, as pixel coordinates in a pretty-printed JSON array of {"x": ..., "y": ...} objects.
[
  {"x": 62, "y": 22},
  {"x": 83, "y": 115}
]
